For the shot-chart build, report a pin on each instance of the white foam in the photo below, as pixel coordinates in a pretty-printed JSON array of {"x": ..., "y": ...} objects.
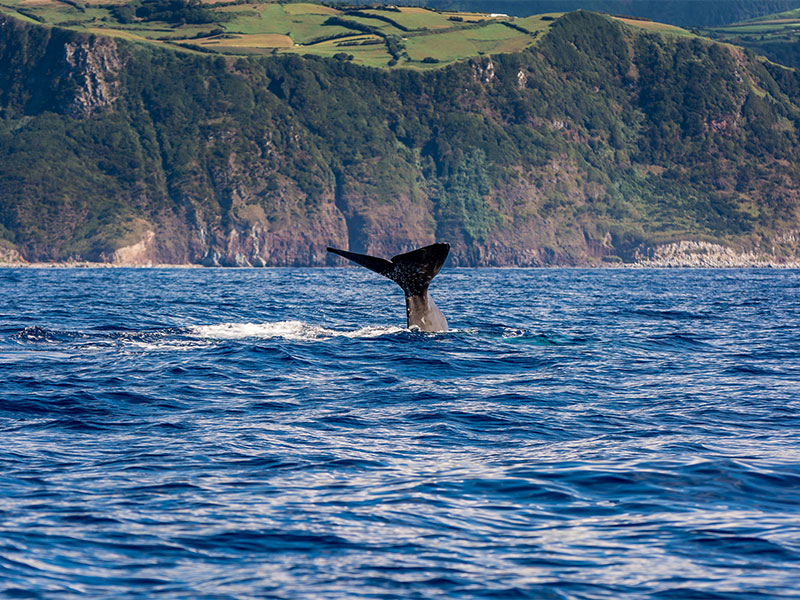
[
  {"x": 289, "y": 330},
  {"x": 27, "y": 355},
  {"x": 370, "y": 332},
  {"x": 167, "y": 345}
]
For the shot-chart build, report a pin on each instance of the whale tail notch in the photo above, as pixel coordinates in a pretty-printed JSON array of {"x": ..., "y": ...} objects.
[{"x": 412, "y": 271}]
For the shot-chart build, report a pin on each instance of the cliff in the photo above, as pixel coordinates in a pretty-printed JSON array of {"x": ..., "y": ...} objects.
[{"x": 600, "y": 144}]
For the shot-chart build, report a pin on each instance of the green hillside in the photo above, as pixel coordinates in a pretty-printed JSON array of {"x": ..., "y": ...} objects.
[
  {"x": 596, "y": 144},
  {"x": 775, "y": 36}
]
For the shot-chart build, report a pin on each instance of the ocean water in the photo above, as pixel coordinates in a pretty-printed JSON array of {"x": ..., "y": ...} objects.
[{"x": 277, "y": 433}]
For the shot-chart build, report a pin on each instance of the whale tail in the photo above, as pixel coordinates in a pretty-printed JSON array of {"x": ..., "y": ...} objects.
[{"x": 412, "y": 271}]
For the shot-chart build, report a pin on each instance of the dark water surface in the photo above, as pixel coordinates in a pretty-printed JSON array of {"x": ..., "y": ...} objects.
[{"x": 274, "y": 433}]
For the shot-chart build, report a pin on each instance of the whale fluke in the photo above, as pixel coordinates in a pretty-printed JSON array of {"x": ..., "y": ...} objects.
[{"x": 413, "y": 272}]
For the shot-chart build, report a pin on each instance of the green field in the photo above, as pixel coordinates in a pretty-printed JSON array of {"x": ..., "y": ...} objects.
[
  {"x": 450, "y": 46},
  {"x": 410, "y": 37},
  {"x": 775, "y": 36},
  {"x": 653, "y": 26},
  {"x": 416, "y": 18},
  {"x": 793, "y": 15}
]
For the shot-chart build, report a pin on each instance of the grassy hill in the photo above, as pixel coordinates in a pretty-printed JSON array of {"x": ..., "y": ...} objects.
[
  {"x": 379, "y": 37},
  {"x": 602, "y": 140}
]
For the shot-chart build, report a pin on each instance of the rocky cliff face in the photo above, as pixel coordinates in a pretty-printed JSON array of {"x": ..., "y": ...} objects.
[
  {"x": 591, "y": 149},
  {"x": 92, "y": 67},
  {"x": 48, "y": 69}
]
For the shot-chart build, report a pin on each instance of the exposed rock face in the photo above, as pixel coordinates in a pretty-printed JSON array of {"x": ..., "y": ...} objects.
[
  {"x": 92, "y": 66},
  {"x": 138, "y": 254},
  {"x": 57, "y": 70},
  {"x": 10, "y": 256},
  {"x": 483, "y": 70},
  {"x": 693, "y": 254},
  {"x": 383, "y": 229},
  {"x": 260, "y": 246},
  {"x": 522, "y": 80}
]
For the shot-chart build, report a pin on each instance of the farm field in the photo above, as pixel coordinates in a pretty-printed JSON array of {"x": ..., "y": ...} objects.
[
  {"x": 410, "y": 37},
  {"x": 447, "y": 47},
  {"x": 399, "y": 37},
  {"x": 775, "y": 36},
  {"x": 783, "y": 26},
  {"x": 787, "y": 16}
]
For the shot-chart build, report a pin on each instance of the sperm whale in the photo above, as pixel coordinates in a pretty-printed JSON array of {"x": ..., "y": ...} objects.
[{"x": 413, "y": 272}]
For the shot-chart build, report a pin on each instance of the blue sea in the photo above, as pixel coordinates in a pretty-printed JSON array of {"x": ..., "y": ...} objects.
[{"x": 278, "y": 433}]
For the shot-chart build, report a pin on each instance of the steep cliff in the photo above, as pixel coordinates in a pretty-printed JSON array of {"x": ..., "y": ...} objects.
[{"x": 600, "y": 144}]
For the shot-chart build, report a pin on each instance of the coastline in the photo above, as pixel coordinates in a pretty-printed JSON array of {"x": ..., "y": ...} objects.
[
  {"x": 685, "y": 254},
  {"x": 661, "y": 265}
]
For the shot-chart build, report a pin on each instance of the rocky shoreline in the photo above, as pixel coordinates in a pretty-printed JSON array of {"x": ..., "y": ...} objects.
[
  {"x": 685, "y": 254},
  {"x": 707, "y": 255}
]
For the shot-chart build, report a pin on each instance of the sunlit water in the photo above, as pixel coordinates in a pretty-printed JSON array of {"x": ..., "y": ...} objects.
[{"x": 278, "y": 433}]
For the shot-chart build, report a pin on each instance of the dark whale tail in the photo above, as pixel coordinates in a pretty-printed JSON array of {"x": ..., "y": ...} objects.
[{"x": 412, "y": 271}]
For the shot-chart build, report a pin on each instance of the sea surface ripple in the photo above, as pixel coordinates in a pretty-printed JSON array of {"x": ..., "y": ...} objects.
[{"x": 278, "y": 433}]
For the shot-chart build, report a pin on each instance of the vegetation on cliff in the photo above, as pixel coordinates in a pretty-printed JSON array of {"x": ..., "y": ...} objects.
[{"x": 598, "y": 143}]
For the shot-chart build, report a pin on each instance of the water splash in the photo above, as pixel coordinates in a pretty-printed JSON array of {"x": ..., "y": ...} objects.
[{"x": 288, "y": 330}]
